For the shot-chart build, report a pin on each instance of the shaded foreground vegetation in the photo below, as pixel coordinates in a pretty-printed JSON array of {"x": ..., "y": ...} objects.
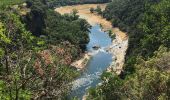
[
  {"x": 146, "y": 71},
  {"x": 37, "y": 46},
  {"x": 9, "y": 2}
]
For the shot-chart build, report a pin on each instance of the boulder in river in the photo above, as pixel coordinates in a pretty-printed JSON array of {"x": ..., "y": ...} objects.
[{"x": 96, "y": 47}]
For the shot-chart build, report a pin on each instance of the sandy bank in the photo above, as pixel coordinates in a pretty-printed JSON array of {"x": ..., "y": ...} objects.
[
  {"x": 119, "y": 45},
  {"x": 81, "y": 63}
]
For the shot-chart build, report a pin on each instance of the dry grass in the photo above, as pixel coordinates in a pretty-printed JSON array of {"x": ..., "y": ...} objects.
[{"x": 92, "y": 18}]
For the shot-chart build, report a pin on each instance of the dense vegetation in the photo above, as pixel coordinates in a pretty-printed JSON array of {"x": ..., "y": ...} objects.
[
  {"x": 37, "y": 46},
  {"x": 9, "y": 2},
  {"x": 146, "y": 22},
  {"x": 146, "y": 71},
  {"x": 43, "y": 21}
]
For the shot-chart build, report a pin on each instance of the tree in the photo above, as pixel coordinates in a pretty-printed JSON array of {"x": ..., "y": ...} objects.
[
  {"x": 27, "y": 70},
  {"x": 14, "y": 42},
  {"x": 35, "y": 19},
  {"x": 36, "y": 66},
  {"x": 74, "y": 14},
  {"x": 98, "y": 10},
  {"x": 92, "y": 10}
]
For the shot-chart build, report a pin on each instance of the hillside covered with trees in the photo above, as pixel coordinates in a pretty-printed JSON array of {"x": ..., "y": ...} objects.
[
  {"x": 37, "y": 46},
  {"x": 146, "y": 71}
]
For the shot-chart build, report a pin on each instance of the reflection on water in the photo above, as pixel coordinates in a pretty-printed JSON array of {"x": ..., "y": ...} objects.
[{"x": 100, "y": 60}]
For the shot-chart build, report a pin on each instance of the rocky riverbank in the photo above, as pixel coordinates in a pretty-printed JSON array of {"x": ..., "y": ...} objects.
[{"x": 118, "y": 49}]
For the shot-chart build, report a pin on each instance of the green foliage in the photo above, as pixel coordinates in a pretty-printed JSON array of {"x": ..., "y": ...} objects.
[
  {"x": 1, "y": 52},
  {"x": 12, "y": 24},
  {"x": 35, "y": 19},
  {"x": 57, "y": 28},
  {"x": 111, "y": 34},
  {"x": 14, "y": 40},
  {"x": 5, "y": 3},
  {"x": 67, "y": 28},
  {"x": 98, "y": 10},
  {"x": 36, "y": 50},
  {"x": 74, "y": 11},
  {"x": 147, "y": 25},
  {"x": 23, "y": 69},
  {"x": 3, "y": 37}
]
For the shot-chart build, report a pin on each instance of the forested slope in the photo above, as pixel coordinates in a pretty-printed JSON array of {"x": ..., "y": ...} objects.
[
  {"x": 147, "y": 24},
  {"x": 146, "y": 74},
  {"x": 37, "y": 46}
]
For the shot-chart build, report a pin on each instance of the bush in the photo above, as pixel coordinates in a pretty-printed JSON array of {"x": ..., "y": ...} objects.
[{"x": 92, "y": 10}]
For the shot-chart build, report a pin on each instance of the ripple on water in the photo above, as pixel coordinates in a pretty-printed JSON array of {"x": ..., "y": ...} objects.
[{"x": 85, "y": 81}]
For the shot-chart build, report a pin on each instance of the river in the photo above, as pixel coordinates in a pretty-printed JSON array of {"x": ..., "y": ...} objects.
[
  {"x": 98, "y": 63},
  {"x": 100, "y": 60}
]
